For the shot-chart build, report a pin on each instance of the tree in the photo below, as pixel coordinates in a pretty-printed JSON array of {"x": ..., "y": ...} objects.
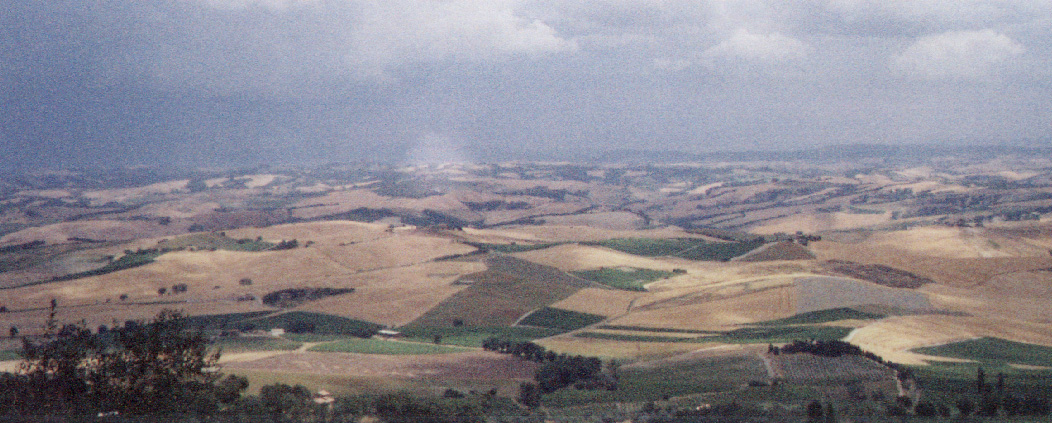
[
  {"x": 284, "y": 400},
  {"x": 157, "y": 367},
  {"x": 13, "y": 331},
  {"x": 529, "y": 394},
  {"x": 925, "y": 409},
  {"x": 980, "y": 380},
  {"x": 814, "y": 410},
  {"x": 965, "y": 406}
]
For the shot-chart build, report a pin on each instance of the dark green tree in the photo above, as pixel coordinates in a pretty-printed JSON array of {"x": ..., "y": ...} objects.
[
  {"x": 965, "y": 406},
  {"x": 814, "y": 411},
  {"x": 151, "y": 368},
  {"x": 529, "y": 394}
]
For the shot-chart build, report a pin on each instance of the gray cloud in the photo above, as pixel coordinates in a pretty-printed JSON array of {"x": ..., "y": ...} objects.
[{"x": 309, "y": 80}]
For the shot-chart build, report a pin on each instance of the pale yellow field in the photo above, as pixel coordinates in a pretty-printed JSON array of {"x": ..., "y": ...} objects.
[
  {"x": 571, "y": 257},
  {"x": 110, "y": 230},
  {"x": 607, "y": 220},
  {"x": 604, "y": 302},
  {"x": 893, "y": 337},
  {"x": 709, "y": 312},
  {"x": 124, "y": 194},
  {"x": 815, "y": 222}
]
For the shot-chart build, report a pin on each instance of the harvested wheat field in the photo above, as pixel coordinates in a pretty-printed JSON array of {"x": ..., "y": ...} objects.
[
  {"x": 785, "y": 250},
  {"x": 399, "y": 295},
  {"x": 704, "y": 310},
  {"x": 894, "y": 337},
  {"x": 572, "y": 257}
]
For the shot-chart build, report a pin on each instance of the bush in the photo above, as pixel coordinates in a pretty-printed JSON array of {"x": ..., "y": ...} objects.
[
  {"x": 157, "y": 367},
  {"x": 925, "y": 409}
]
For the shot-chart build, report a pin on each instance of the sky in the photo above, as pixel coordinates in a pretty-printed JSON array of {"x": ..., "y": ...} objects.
[{"x": 247, "y": 82}]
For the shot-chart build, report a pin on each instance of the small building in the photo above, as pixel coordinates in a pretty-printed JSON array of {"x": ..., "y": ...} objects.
[
  {"x": 388, "y": 334},
  {"x": 323, "y": 397},
  {"x": 277, "y": 332}
]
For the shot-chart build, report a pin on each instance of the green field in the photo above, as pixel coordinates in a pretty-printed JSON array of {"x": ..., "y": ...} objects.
[
  {"x": 222, "y": 321},
  {"x": 473, "y": 336},
  {"x": 377, "y": 346},
  {"x": 511, "y": 248},
  {"x": 127, "y": 261},
  {"x": 254, "y": 343},
  {"x": 952, "y": 380},
  {"x": 660, "y": 330},
  {"x": 306, "y": 322},
  {"x": 994, "y": 352},
  {"x": 750, "y": 335},
  {"x": 214, "y": 241},
  {"x": 556, "y": 318},
  {"x": 822, "y": 316},
  {"x": 631, "y": 279},
  {"x": 949, "y": 380},
  {"x": 710, "y": 375},
  {"x": 6, "y": 355},
  {"x": 688, "y": 248},
  {"x": 632, "y": 338}
]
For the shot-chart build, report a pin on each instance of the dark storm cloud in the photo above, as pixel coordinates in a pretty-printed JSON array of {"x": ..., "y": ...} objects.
[{"x": 254, "y": 81}]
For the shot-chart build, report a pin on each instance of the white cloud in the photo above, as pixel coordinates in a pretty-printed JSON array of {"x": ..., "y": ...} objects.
[
  {"x": 957, "y": 54},
  {"x": 395, "y": 33},
  {"x": 764, "y": 48}
]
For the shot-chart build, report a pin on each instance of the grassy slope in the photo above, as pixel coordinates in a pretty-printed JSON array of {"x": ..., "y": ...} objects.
[
  {"x": 376, "y": 346},
  {"x": 631, "y": 280},
  {"x": 474, "y": 335},
  {"x": 555, "y": 318},
  {"x": 951, "y": 380}
]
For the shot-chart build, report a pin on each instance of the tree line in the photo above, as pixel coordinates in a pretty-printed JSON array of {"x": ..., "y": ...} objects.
[
  {"x": 557, "y": 371},
  {"x": 163, "y": 370}
]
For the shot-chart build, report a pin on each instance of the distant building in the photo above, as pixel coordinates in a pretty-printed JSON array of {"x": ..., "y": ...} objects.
[
  {"x": 389, "y": 334},
  {"x": 277, "y": 332}
]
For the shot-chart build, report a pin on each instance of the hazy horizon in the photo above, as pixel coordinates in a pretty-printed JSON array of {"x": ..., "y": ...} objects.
[{"x": 249, "y": 82}]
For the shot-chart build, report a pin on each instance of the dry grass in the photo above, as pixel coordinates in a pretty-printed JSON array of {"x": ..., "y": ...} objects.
[
  {"x": 704, "y": 310},
  {"x": 604, "y": 302},
  {"x": 605, "y": 220},
  {"x": 818, "y": 221},
  {"x": 785, "y": 250},
  {"x": 392, "y": 273}
]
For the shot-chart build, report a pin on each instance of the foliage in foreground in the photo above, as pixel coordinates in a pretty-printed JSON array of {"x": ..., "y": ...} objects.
[{"x": 150, "y": 368}]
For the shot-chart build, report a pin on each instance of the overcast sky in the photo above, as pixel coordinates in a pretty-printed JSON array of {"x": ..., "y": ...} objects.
[{"x": 306, "y": 81}]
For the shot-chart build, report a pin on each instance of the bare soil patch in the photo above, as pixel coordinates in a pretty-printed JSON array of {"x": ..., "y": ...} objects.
[
  {"x": 508, "y": 289},
  {"x": 474, "y": 365},
  {"x": 823, "y": 292},
  {"x": 877, "y": 273}
]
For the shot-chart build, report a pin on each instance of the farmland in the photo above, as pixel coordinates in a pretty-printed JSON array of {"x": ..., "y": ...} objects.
[{"x": 679, "y": 275}]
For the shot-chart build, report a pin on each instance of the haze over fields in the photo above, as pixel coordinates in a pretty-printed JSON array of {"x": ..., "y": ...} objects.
[{"x": 656, "y": 267}]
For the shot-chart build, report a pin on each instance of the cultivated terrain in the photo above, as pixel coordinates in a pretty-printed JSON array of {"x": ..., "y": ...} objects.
[{"x": 684, "y": 278}]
